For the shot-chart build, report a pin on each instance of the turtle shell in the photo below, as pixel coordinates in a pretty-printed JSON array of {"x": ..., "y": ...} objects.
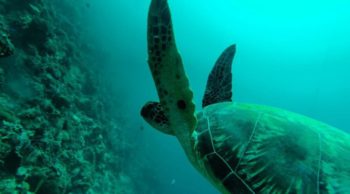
[{"x": 244, "y": 148}]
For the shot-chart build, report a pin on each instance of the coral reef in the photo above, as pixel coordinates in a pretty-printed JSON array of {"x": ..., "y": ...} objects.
[
  {"x": 6, "y": 47},
  {"x": 56, "y": 135}
]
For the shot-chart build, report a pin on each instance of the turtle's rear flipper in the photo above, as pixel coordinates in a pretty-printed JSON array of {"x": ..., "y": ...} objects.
[
  {"x": 219, "y": 84},
  {"x": 153, "y": 113}
]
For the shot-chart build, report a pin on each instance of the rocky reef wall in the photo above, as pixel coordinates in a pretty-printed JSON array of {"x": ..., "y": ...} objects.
[{"x": 57, "y": 134}]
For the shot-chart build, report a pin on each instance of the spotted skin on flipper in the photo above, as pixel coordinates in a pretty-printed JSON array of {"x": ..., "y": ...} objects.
[
  {"x": 167, "y": 70},
  {"x": 219, "y": 84}
]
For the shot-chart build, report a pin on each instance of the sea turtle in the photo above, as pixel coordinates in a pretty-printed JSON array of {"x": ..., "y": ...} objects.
[{"x": 238, "y": 147}]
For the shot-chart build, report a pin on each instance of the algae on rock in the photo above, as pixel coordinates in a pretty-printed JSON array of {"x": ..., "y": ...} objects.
[{"x": 55, "y": 127}]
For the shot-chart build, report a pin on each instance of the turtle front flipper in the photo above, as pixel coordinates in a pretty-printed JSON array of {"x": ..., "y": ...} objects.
[
  {"x": 167, "y": 70},
  {"x": 219, "y": 85}
]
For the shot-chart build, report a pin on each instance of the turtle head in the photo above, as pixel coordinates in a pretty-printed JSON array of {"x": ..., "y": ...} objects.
[{"x": 153, "y": 113}]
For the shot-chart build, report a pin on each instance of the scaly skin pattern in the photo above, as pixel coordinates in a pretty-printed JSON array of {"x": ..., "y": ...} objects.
[{"x": 245, "y": 148}]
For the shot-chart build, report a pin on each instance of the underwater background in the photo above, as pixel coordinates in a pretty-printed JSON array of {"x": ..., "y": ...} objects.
[{"x": 74, "y": 78}]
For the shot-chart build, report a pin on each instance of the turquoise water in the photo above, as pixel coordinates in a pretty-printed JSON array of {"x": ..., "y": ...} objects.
[{"x": 290, "y": 54}]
